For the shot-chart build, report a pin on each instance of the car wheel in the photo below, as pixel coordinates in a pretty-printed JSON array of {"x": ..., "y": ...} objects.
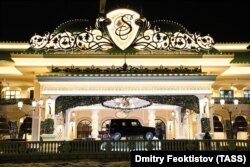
[
  {"x": 149, "y": 136},
  {"x": 116, "y": 136}
]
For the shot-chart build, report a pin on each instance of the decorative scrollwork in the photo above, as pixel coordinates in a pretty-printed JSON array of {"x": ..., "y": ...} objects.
[
  {"x": 87, "y": 40},
  {"x": 128, "y": 69},
  {"x": 153, "y": 39},
  {"x": 126, "y": 30},
  {"x": 93, "y": 40}
]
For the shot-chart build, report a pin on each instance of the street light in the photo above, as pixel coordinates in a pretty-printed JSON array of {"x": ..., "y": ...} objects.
[
  {"x": 236, "y": 102},
  {"x": 20, "y": 105}
]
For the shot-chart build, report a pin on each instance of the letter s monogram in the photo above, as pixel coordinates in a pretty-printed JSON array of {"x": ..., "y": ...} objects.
[{"x": 123, "y": 26}]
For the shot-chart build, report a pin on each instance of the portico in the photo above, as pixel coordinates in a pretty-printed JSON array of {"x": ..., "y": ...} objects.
[{"x": 180, "y": 122}]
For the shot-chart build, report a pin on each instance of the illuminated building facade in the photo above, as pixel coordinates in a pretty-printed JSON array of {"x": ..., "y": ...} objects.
[{"x": 125, "y": 67}]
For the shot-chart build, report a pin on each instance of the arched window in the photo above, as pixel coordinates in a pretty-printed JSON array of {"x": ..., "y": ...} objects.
[
  {"x": 104, "y": 124},
  {"x": 227, "y": 94},
  {"x": 240, "y": 124},
  {"x": 84, "y": 129},
  {"x": 247, "y": 94},
  {"x": 11, "y": 94},
  {"x": 218, "y": 127}
]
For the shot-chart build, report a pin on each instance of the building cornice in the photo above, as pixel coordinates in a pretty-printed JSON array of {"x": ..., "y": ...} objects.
[
  {"x": 126, "y": 78},
  {"x": 126, "y": 88}
]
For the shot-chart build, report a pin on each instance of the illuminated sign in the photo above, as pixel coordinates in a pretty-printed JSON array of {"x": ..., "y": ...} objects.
[{"x": 125, "y": 29}]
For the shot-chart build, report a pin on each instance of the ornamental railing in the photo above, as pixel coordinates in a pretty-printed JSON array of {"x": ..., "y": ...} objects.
[
  {"x": 242, "y": 100},
  {"x": 106, "y": 150},
  {"x": 15, "y": 101},
  {"x": 128, "y": 69}
]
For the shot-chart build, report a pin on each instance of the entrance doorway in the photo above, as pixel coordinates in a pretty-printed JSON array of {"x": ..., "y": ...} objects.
[
  {"x": 160, "y": 128},
  {"x": 84, "y": 128}
]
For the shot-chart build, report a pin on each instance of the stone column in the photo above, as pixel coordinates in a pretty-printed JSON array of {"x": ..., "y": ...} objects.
[
  {"x": 36, "y": 117},
  {"x": 67, "y": 125},
  {"x": 204, "y": 112},
  {"x": 70, "y": 124},
  {"x": 95, "y": 122},
  {"x": 178, "y": 123},
  {"x": 59, "y": 126},
  {"x": 151, "y": 117},
  {"x": 36, "y": 124},
  {"x": 211, "y": 115}
]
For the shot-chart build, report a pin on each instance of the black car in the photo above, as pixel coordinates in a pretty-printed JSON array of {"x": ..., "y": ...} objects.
[{"x": 129, "y": 127}]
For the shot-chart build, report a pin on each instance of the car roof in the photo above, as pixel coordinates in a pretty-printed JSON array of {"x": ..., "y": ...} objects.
[{"x": 125, "y": 119}]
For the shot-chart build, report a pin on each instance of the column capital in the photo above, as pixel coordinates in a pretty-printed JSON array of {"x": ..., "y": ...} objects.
[{"x": 200, "y": 97}]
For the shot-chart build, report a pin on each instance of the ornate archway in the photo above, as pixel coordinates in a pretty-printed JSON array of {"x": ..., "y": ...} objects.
[
  {"x": 63, "y": 103},
  {"x": 84, "y": 129}
]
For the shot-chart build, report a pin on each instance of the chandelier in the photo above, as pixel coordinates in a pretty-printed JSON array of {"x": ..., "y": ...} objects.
[{"x": 126, "y": 104}]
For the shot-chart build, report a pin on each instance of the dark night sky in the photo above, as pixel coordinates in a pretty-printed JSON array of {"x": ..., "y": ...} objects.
[{"x": 224, "y": 20}]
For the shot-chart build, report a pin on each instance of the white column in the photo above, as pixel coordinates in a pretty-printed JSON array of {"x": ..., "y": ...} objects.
[
  {"x": 36, "y": 123},
  {"x": 204, "y": 112},
  {"x": 67, "y": 124},
  {"x": 211, "y": 115},
  {"x": 36, "y": 116},
  {"x": 151, "y": 117},
  {"x": 178, "y": 123},
  {"x": 95, "y": 122},
  {"x": 198, "y": 121},
  {"x": 188, "y": 127},
  {"x": 59, "y": 126}
]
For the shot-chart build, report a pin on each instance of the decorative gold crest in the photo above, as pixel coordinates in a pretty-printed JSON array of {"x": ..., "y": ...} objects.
[{"x": 123, "y": 29}]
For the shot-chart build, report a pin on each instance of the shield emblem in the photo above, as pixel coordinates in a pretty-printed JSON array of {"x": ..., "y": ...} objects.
[{"x": 122, "y": 29}]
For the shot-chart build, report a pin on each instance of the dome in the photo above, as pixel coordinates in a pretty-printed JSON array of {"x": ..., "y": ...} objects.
[
  {"x": 76, "y": 25},
  {"x": 169, "y": 26}
]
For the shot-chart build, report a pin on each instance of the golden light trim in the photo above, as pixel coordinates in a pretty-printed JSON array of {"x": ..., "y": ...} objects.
[
  {"x": 14, "y": 46},
  {"x": 231, "y": 46}
]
